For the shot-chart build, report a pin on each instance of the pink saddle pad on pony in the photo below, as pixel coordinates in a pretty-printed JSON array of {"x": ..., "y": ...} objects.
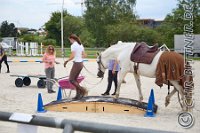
[{"x": 65, "y": 84}]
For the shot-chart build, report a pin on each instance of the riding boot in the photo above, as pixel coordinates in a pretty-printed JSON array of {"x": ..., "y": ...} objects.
[
  {"x": 78, "y": 94},
  {"x": 84, "y": 91},
  {"x": 81, "y": 92}
]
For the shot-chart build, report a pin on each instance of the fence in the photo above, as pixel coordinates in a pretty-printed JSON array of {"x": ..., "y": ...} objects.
[
  {"x": 69, "y": 126},
  {"x": 91, "y": 52}
]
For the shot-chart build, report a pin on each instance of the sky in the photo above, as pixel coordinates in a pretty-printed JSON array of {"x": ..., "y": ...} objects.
[{"x": 35, "y": 13}]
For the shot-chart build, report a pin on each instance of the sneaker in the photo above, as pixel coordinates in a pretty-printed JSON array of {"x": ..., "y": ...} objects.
[
  {"x": 114, "y": 93},
  {"x": 124, "y": 82},
  {"x": 51, "y": 91},
  {"x": 105, "y": 94}
]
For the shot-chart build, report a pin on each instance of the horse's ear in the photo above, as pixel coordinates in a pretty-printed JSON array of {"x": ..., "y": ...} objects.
[{"x": 98, "y": 53}]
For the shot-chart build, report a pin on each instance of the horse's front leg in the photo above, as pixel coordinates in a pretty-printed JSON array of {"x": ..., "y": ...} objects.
[
  {"x": 138, "y": 82},
  {"x": 122, "y": 74}
]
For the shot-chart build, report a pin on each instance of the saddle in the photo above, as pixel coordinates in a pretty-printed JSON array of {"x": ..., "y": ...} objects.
[{"x": 142, "y": 53}]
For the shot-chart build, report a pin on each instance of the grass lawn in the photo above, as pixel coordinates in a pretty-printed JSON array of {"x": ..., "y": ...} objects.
[{"x": 196, "y": 58}]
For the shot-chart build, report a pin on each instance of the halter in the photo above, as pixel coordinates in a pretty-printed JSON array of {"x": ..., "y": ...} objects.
[{"x": 100, "y": 63}]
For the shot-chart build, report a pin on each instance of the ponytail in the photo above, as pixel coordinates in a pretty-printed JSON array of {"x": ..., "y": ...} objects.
[{"x": 76, "y": 38}]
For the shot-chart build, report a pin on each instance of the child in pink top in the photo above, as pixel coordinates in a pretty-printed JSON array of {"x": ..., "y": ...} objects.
[{"x": 49, "y": 62}]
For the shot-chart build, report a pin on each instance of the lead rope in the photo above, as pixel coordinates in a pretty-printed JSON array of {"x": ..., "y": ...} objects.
[{"x": 95, "y": 84}]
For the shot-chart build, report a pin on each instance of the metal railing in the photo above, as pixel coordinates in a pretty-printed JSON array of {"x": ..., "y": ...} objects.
[
  {"x": 91, "y": 52},
  {"x": 69, "y": 126}
]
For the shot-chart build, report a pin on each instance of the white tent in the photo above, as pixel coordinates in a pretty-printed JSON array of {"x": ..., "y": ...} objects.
[{"x": 5, "y": 45}]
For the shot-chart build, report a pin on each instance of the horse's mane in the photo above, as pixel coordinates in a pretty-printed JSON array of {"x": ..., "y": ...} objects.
[
  {"x": 118, "y": 47},
  {"x": 121, "y": 45}
]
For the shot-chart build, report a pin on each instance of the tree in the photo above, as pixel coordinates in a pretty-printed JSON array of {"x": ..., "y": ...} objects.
[
  {"x": 130, "y": 32},
  {"x": 87, "y": 38},
  {"x": 8, "y": 30},
  {"x": 101, "y": 13},
  {"x": 174, "y": 22},
  {"x": 71, "y": 25},
  {"x": 53, "y": 27}
]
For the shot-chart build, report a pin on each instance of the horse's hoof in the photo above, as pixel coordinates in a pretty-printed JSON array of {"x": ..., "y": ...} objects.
[
  {"x": 166, "y": 104},
  {"x": 116, "y": 96},
  {"x": 141, "y": 99},
  {"x": 184, "y": 108},
  {"x": 167, "y": 101}
]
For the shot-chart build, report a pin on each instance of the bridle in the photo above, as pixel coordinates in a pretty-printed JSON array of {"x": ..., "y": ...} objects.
[{"x": 100, "y": 65}]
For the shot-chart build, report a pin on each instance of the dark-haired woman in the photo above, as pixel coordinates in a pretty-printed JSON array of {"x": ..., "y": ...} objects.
[
  {"x": 77, "y": 55},
  {"x": 3, "y": 57}
]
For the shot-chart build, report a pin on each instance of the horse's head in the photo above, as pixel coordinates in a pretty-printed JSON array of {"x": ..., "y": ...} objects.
[{"x": 101, "y": 67}]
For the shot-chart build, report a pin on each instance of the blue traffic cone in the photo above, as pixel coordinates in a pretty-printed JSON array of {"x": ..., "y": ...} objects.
[
  {"x": 59, "y": 96},
  {"x": 149, "y": 111},
  {"x": 40, "y": 107},
  {"x": 152, "y": 96}
]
